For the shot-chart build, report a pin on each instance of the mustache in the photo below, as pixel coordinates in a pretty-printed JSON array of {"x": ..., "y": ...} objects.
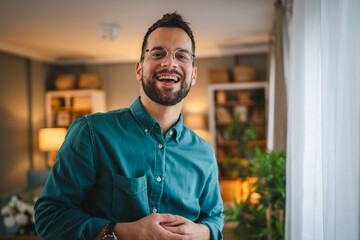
[{"x": 169, "y": 72}]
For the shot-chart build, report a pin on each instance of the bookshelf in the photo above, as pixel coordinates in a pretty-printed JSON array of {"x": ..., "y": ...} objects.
[
  {"x": 248, "y": 101},
  {"x": 63, "y": 107}
]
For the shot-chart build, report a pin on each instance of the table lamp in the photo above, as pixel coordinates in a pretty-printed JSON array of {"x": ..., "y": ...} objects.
[
  {"x": 196, "y": 122},
  {"x": 50, "y": 140}
]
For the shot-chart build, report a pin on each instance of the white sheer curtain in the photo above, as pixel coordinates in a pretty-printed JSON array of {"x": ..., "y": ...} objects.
[{"x": 323, "y": 142}]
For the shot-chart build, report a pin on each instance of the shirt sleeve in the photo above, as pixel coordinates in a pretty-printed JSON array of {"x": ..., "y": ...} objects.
[
  {"x": 58, "y": 212},
  {"x": 212, "y": 205}
]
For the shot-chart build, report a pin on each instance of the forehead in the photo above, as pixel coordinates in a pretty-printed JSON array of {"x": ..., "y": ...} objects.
[{"x": 170, "y": 38}]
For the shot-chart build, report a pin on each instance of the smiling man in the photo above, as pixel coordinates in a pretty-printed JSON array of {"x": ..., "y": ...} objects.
[{"x": 138, "y": 172}]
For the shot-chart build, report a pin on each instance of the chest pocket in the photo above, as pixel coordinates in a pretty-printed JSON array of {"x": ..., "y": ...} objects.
[{"x": 130, "y": 198}]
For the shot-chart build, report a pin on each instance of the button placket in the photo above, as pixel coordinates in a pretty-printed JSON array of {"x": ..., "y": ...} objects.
[{"x": 157, "y": 184}]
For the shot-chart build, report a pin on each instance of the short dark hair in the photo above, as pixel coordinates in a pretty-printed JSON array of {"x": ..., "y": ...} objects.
[{"x": 169, "y": 20}]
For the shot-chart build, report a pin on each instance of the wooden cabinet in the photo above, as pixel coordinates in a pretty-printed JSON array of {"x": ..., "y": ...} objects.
[
  {"x": 63, "y": 107},
  {"x": 247, "y": 101}
]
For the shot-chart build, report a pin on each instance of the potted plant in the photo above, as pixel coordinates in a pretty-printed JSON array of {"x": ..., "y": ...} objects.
[
  {"x": 239, "y": 133},
  {"x": 263, "y": 218}
]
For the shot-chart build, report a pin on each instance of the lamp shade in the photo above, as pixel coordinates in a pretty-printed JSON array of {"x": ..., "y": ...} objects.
[
  {"x": 195, "y": 121},
  {"x": 51, "y": 138}
]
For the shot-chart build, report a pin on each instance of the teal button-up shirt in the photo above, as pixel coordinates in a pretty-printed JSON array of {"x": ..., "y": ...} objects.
[{"x": 119, "y": 166}]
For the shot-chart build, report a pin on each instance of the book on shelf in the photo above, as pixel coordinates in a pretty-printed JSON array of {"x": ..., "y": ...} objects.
[
  {"x": 219, "y": 137},
  {"x": 223, "y": 115}
]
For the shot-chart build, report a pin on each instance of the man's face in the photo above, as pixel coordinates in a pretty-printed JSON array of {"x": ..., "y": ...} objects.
[{"x": 166, "y": 81}]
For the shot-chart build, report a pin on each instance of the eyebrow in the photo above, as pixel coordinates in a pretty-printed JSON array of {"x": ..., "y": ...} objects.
[
  {"x": 156, "y": 47},
  {"x": 161, "y": 47}
]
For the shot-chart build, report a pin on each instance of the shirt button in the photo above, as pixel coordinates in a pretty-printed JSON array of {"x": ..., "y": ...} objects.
[
  {"x": 146, "y": 130},
  {"x": 158, "y": 179},
  {"x": 154, "y": 210},
  {"x": 160, "y": 146},
  {"x": 171, "y": 133}
]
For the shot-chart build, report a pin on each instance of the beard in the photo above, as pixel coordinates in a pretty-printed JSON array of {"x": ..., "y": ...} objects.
[{"x": 165, "y": 96}]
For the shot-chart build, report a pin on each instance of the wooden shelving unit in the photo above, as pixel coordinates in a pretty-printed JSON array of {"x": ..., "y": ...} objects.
[
  {"x": 221, "y": 113},
  {"x": 63, "y": 107}
]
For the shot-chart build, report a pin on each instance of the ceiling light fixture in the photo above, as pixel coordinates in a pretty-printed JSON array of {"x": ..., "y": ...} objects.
[{"x": 109, "y": 30}]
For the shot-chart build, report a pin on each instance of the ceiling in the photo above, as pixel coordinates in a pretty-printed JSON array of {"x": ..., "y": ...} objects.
[{"x": 66, "y": 31}]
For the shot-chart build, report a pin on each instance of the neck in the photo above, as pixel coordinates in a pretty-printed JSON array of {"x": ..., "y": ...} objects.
[{"x": 166, "y": 116}]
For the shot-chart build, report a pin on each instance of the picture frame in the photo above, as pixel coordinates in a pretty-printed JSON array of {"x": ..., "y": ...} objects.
[{"x": 63, "y": 119}]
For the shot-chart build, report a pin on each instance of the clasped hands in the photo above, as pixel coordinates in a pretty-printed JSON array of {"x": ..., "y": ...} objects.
[{"x": 158, "y": 226}]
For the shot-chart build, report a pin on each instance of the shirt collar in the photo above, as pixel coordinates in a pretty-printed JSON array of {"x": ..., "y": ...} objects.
[
  {"x": 178, "y": 128},
  {"x": 147, "y": 123}
]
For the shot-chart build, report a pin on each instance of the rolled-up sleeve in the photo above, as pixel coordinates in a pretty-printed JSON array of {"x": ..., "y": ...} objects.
[{"x": 212, "y": 205}]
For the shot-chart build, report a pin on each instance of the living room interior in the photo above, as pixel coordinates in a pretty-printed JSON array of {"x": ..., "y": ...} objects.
[
  {"x": 59, "y": 58},
  {"x": 27, "y": 77}
]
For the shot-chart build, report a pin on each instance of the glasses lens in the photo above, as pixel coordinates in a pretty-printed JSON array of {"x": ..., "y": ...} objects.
[
  {"x": 182, "y": 56},
  {"x": 158, "y": 53}
]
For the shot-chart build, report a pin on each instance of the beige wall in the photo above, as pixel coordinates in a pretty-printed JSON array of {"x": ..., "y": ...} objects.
[
  {"x": 14, "y": 156},
  {"x": 14, "y": 120},
  {"x": 39, "y": 73}
]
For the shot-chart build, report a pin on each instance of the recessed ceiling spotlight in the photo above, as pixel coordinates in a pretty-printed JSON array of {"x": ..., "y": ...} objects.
[{"x": 109, "y": 30}]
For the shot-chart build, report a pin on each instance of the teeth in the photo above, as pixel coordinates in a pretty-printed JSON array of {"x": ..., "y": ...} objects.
[{"x": 168, "y": 78}]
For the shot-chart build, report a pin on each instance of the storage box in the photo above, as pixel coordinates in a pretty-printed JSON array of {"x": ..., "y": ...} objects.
[
  {"x": 65, "y": 82},
  {"x": 219, "y": 75},
  {"x": 244, "y": 73},
  {"x": 88, "y": 81}
]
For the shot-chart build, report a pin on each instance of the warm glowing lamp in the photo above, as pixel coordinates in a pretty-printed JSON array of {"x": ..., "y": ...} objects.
[
  {"x": 50, "y": 140},
  {"x": 196, "y": 122}
]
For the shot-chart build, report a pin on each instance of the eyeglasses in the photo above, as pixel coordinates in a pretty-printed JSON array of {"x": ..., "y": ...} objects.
[{"x": 160, "y": 54}]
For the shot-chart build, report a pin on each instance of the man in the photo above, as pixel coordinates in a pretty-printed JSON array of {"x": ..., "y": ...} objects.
[{"x": 138, "y": 173}]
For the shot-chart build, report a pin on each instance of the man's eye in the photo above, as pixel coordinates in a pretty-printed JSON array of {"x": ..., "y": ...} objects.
[
  {"x": 158, "y": 55},
  {"x": 182, "y": 57}
]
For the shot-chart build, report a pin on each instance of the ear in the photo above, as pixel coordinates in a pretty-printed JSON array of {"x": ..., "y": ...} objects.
[
  {"x": 138, "y": 70},
  {"x": 193, "y": 76}
]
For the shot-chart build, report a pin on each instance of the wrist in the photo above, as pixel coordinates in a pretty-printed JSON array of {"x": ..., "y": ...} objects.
[
  {"x": 109, "y": 233},
  {"x": 206, "y": 234},
  {"x": 120, "y": 230}
]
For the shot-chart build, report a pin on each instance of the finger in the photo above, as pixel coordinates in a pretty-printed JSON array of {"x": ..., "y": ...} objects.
[
  {"x": 181, "y": 220},
  {"x": 166, "y": 218},
  {"x": 181, "y": 229},
  {"x": 181, "y": 237},
  {"x": 175, "y": 236},
  {"x": 166, "y": 234}
]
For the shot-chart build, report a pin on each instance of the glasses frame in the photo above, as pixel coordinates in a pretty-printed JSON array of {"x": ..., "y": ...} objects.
[{"x": 192, "y": 56}]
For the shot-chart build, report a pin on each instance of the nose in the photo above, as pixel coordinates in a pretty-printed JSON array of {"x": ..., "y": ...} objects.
[{"x": 170, "y": 61}]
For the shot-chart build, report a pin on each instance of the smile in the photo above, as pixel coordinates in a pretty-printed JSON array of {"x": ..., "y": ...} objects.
[{"x": 168, "y": 78}]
